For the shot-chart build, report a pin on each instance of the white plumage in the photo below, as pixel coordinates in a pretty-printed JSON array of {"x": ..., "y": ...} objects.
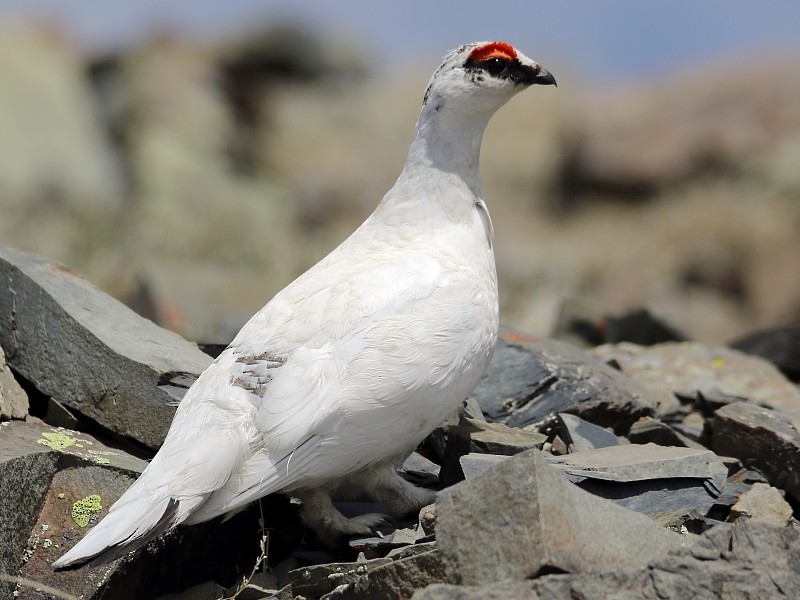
[{"x": 348, "y": 368}]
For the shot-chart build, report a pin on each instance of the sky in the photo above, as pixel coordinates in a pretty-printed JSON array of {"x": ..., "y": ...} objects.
[{"x": 607, "y": 40}]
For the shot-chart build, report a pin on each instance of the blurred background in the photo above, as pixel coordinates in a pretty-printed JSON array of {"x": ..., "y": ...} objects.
[{"x": 191, "y": 158}]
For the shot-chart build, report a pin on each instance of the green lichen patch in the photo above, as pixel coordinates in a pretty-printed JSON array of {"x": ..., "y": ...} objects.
[
  {"x": 84, "y": 508},
  {"x": 60, "y": 439}
]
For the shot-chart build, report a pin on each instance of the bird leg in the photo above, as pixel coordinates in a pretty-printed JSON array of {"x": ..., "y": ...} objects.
[
  {"x": 319, "y": 513},
  {"x": 400, "y": 497}
]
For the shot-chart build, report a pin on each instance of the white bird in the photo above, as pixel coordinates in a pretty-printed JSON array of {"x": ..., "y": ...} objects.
[{"x": 339, "y": 377}]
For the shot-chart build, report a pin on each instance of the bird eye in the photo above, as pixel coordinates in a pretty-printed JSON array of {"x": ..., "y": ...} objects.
[{"x": 495, "y": 65}]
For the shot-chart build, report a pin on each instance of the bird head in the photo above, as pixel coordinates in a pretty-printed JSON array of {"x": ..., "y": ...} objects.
[{"x": 482, "y": 74}]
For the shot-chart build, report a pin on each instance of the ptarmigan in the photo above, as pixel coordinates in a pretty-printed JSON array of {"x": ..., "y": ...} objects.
[{"x": 337, "y": 379}]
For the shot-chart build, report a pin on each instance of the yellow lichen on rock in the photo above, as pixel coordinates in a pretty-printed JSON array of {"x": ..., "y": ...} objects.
[{"x": 84, "y": 508}]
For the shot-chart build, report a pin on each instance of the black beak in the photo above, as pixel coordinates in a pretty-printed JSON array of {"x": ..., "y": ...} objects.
[
  {"x": 544, "y": 77},
  {"x": 527, "y": 75}
]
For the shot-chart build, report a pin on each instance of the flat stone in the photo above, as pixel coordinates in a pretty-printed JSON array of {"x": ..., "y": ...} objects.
[
  {"x": 580, "y": 435},
  {"x": 522, "y": 517},
  {"x": 763, "y": 439},
  {"x": 90, "y": 352},
  {"x": 696, "y": 371},
  {"x": 13, "y": 399},
  {"x": 530, "y": 378},
  {"x": 648, "y": 478},
  {"x": 397, "y": 580},
  {"x": 648, "y": 430},
  {"x": 762, "y": 502},
  {"x": 744, "y": 560},
  {"x": 681, "y": 521}
]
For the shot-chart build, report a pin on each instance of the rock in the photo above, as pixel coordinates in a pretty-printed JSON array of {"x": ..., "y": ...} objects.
[
  {"x": 530, "y": 378},
  {"x": 738, "y": 483},
  {"x": 474, "y": 436},
  {"x": 580, "y": 435},
  {"x": 90, "y": 352},
  {"x": 649, "y": 478},
  {"x": 521, "y": 517},
  {"x": 778, "y": 345},
  {"x": 652, "y": 431},
  {"x": 317, "y": 580},
  {"x": 761, "y": 438},
  {"x": 475, "y": 464},
  {"x": 744, "y": 560},
  {"x": 762, "y": 502},
  {"x": 695, "y": 371},
  {"x": 13, "y": 399},
  {"x": 420, "y": 471},
  {"x": 427, "y": 518},
  {"x": 53, "y": 483},
  {"x": 397, "y": 580}
]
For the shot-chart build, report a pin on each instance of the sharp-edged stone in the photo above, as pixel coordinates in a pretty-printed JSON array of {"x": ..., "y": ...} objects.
[
  {"x": 90, "y": 352},
  {"x": 648, "y": 478},
  {"x": 762, "y": 502},
  {"x": 579, "y": 435},
  {"x": 761, "y": 438},
  {"x": 648, "y": 430},
  {"x": 530, "y": 378},
  {"x": 744, "y": 560},
  {"x": 475, "y": 464},
  {"x": 522, "y": 517}
]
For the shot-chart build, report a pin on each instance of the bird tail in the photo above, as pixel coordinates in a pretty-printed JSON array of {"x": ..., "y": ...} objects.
[{"x": 127, "y": 527}]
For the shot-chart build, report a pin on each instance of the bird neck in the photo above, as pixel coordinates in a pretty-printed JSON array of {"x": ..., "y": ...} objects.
[{"x": 447, "y": 140}]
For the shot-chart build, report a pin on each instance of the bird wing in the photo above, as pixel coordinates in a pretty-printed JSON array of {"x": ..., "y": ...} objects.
[{"x": 300, "y": 391}]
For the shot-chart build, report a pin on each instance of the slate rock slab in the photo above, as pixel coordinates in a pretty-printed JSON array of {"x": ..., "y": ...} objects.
[
  {"x": 648, "y": 478},
  {"x": 530, "y": 378},
  {"x": 13, "y": 399},
  {"x": 693, "y": 370},
  {"x": 580, "y": 435},
  {"x": 652, "y": 431},
  {"x": 90, "y": 352},
  {"x": 317, "y": 580},
  {"x": 744, "y": 560},
  {"x": 522, "y": 517},
  {"x": 763, "y": 439},
  {"x": 53, "y": 483}
]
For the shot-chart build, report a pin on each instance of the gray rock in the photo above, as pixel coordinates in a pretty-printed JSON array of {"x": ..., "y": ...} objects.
[
  {"x": 652, "y": 431},
  {"x": 13, "y": 399},
  {"x": 522, "y": 517},
  {"x": 762, "y": 502},
  {"x": 89, "y": 351},
  {"x": 761, "y": 438},
  {"x": 746, "y": 560},
  {"x": 648, "y": 478},
  {"x": 697, "y": 371},
  {"x": 53, "y": 484},
  {"x": 580, "y": 435},
  {"x": 475, "y": 464},
  {"x": 317, "y": 580},
  {"x": 395, "y": 581},
  {"x": 530, "y": 378}
]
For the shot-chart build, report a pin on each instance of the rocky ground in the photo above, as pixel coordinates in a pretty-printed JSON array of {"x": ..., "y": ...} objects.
[{"x": 625, "y": 462}]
